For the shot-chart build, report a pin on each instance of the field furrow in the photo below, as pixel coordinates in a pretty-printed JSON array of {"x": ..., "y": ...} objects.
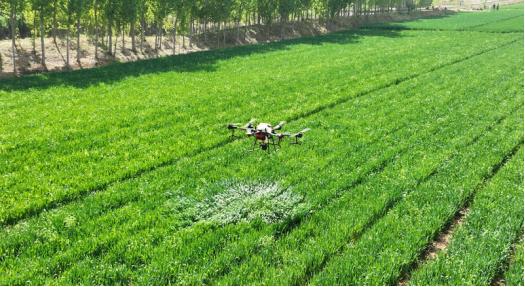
[
  {"x": 104, "y": 238},
  {"x": 514, "y": 275},
  {"x": 481, "y": 246},
  {"x": 382, "y": 255},
  {"x": 89, "y": 137},
  {"x": 505, "y": 26}
]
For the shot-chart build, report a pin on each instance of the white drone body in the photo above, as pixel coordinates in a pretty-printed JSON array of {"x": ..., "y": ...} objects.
[
  {"x": 267, "y": 128},
  {"x": 264, "y": 133}
]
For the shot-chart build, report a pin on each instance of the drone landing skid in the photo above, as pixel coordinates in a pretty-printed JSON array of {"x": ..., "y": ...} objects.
[
  {"x": 262, "y": 146},
  {"x": 233, "y": 135},
  {"x": 296, "y": 142}
]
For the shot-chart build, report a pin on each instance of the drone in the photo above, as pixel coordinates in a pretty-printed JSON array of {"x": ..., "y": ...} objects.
[{"x": 264, "y": 135}]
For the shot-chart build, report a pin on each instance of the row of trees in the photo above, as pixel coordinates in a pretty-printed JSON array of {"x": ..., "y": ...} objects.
[{"x": 170, "y": 17}]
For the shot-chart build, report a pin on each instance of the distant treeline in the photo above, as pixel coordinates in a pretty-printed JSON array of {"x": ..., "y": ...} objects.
[{"x": 138, "y": 18}]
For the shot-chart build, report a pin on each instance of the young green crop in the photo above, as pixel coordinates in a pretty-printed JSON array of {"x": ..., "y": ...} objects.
[
  {"x": 514, "y": 276},
  {"x": 388, "y": 249},
  {"x": 137, "y": 206},
  {"x": 480, "y": 248},
  {"x": 455, "y": 21},
  {"x": 68, "y": 134},
  {"x": 504, "y": 26}
]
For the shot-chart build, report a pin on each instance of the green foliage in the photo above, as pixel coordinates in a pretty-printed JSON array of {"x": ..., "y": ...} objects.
[{"x": 480, "y": 248}]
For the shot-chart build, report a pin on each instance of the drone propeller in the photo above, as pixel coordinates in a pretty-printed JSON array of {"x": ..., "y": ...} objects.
[
  {"x": 279, "y": 126},
  {"x": 300, "y": 134},
  {"x": 249, "y": 124},
  {"x": 236, "y": 124}
]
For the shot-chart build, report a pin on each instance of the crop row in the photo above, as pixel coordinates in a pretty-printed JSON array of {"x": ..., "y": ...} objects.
[
  {"x": 515, "y": 6},
  {"x": 480, "y": 248},
  {"x": 389, "y": 249},
  {"x": 456, "y": 21},
  {"x": 385, "y": 127},
  {"x": 61, "y": 142},
  {"x": 86, "y": 238},
  {"x": 510, "y": 25},
  {"x": 514, "y": 275}
]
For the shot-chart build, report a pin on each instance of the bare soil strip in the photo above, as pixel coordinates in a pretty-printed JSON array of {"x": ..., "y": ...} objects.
[{"x": 439, "y": 245}]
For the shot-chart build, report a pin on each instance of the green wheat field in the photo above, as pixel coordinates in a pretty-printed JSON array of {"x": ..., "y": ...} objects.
[{"x": 125, "y": 175}]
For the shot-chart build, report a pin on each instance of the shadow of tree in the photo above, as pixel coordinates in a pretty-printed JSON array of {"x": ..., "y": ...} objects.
[{"x": 191, "y": 62}]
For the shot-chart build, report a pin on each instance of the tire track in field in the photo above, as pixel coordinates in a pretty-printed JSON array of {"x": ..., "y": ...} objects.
[
  {"x": 447, "y": 231},
  {"x": 393, "y": 203},
  {"x": 12, "y": 220}
]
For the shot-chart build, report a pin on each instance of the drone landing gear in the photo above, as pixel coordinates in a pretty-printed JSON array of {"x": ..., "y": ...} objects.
[
  {"x": 233, "y": 135},
  {"x": 296, "y": 142},
  {"x": 266, "y": 146}
]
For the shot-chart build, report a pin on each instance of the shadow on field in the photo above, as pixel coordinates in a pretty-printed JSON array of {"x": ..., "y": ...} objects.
[{"x": 192, "y": 62}]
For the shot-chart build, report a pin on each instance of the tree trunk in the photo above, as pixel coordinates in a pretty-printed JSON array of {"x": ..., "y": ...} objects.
[
  {"x": 142, "y": 33},
  {"x": 175, "y": 32},
  {"x": 67, "y": 48},
  {"x": 123, "y": 41},
  {"x": 55, "y": 21},
  {"x": 110, "y": 34},
  {"x": 132, "y": 34},
  {"x": 206, "y": 29},
  {"x": 224, "y": 35},
  {"x": 218, "y": 35},
  {"x": 238, "y": 23},
  {"x": 191, "y": 31},
  {"x": 13, "y": 36},
  {"x": 96, "y": 32},
  {"x": 42, "y": 39},
  {"x": 283, "y": 29},
  {"x": 78, "y": 40}
]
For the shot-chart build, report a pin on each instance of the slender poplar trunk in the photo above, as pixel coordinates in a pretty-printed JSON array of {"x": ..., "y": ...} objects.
[
  {"x": 42, "y": 39},
  {"x": 238, "y": 23},
  {"x": 132, "y": 34},
  {"x": 13, "y": 36},
  {"x": 78, "y": 40},
  {"x": 55, "y": 21},
  {"x": 123, "y": 41},
  {"x": 67, "y": 48},
  {"x": 206, "y": 29},
  {"x": 191, "y": 31},
  {"x": 175, "y": 32},
  {"x": 110, "y": 35},
  {"x": 96, "y": 32},
  {"x": 218, "y": 35},
  {"x": 142, "y": 33}
]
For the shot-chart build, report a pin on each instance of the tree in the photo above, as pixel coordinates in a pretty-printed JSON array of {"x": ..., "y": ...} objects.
[
  {"x": 13, "y": 7},
  {"x": 42, "y": 7}
]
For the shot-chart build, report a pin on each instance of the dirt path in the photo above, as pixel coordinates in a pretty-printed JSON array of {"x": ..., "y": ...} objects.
[{"x": 28, "y": 51}]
